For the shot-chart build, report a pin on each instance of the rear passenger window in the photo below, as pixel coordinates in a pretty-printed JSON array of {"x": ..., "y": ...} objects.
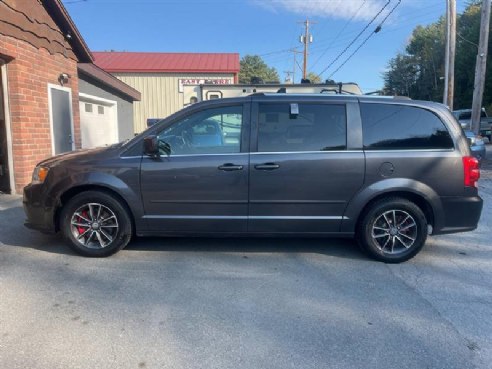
[
  {"x": 317, "y": 127},
  {"x": 393, "y": 127}
]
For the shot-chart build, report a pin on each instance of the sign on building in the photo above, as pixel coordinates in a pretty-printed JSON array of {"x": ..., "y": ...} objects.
[{"x": 202, "y": 81}]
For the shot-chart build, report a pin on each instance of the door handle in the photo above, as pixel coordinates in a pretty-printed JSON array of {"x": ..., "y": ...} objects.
[
  {"x": 228, "y": 167},
  {"x": 267, "y": 166}
]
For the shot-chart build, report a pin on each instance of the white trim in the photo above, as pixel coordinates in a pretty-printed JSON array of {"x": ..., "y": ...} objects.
[
  {"x": 69, "y": 90},
  {"x": 112, "y": 103},
  {"x": 97, "y": 98},
  {"x": 8, "y": 127}
]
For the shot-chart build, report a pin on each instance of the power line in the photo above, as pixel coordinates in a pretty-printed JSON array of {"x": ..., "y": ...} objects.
[
  {"x": 378, "y": 28},
  {"x": 339, "y": 33},
  {"x": 466, "y": 40},
  {"x": 356, "y": 38},
  {"x": 422, "y": 13},
  {"x": 68, "y": 2},
  {"x": 276, "y": 52}
]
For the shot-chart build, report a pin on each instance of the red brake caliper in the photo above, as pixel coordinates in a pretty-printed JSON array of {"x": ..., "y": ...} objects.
[{"x": 82, "y": 229}]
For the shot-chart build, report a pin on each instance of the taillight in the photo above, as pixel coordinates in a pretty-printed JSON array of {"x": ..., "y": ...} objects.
[{"x": 472, "y": 171}]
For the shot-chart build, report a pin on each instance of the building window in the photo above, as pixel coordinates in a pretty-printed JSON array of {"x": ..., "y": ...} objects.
[
  {"x": 100, "y": 109},
  {"x": 88, "y": 108}
]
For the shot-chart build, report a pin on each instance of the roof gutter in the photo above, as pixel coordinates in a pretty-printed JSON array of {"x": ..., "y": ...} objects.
[{"x": 56, "y": 9}]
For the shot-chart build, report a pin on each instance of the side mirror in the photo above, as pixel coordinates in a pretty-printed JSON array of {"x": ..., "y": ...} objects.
[{"x": 151, "y": 145}]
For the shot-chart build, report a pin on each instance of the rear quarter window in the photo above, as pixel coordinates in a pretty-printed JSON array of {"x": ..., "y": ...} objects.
[{"x": 402, "y": 127}]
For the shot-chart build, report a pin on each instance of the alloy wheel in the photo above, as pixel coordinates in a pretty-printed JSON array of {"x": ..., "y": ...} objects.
[
  {"x": 394, "y": 231},
  {"x": 94, "y": 225}
]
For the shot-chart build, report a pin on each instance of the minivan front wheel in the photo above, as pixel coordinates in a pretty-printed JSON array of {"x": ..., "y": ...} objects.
[
  {"x": 96, "y": 224},
  {"x": 392, "y": 230}
]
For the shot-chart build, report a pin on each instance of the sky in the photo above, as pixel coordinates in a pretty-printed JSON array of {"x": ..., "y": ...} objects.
[{"x": 268, "y": 28}]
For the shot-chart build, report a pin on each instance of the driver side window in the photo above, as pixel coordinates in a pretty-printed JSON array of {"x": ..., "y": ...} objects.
[{"x": 211, "y": 131}]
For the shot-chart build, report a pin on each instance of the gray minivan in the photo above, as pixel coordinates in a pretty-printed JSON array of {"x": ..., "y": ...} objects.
[{"x": 386, "y": 171}]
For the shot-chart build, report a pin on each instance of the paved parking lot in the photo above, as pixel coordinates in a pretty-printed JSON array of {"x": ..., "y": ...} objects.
[{"x": 238, "y": 303}]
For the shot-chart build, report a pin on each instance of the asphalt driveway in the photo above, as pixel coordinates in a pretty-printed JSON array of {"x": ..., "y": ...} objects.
[{"x": 239, "y": 303}]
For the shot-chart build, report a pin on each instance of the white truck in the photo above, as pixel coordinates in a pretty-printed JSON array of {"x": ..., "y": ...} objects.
[{"x": 218, "y": 91}]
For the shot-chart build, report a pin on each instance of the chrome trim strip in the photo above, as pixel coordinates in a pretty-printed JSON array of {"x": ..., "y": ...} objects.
[
  {"x": 410, "y": 150},
  {"x": 302, "y": 152},
  {"x": 297, "y": 202},
  {"x": 199, "y": 201},
  {"x": 193, "y": 155},
  {"x": 256, "y": 217},
  {"x": 298, "y": 217},
  {"x": 195, "y": 217},
  {"x": 131, "y": 157},
  {"x": 307, "y": 152}
]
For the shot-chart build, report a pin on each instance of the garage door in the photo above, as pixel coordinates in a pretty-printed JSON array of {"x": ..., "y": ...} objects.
[{"x": 98, "y": 124}]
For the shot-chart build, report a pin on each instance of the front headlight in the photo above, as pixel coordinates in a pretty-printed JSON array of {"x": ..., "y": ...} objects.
[{"x": 39, "y": 174}]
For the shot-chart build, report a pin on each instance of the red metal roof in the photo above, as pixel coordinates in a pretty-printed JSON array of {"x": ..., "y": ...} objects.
[{"x": 115, "y": 61}]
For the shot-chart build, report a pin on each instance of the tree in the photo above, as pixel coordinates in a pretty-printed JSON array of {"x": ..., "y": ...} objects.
[
  {"x": 401, "y": 75},
  {"x": 313, "y": 77},
  {"x": 418, "y": 72},
  {"x": 254, "y": 66}
]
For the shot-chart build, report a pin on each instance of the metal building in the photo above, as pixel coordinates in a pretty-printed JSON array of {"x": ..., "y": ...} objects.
[{"x": 167, "y": 81}]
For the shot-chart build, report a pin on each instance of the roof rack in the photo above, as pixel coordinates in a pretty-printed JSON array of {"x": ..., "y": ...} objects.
[{"x": 339, "y": 90}]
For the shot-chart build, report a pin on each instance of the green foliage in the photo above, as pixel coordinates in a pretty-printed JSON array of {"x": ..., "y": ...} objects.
[
  {"x": 254, "y": 66},
  {"x": 418, "y": 71}
]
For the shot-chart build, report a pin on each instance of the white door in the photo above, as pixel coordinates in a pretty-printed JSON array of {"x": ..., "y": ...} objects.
[{"x": 98, "y": 125}]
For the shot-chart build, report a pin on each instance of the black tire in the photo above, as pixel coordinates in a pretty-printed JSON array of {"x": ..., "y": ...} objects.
[
  {"x": 110, "y": 228},
  {"x": 386, "y": 240}
]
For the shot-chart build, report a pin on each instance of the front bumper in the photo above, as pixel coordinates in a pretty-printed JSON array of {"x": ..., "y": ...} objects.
[
  {"x": 39, "y": 216},
  {"x": 461, "y": 214}
]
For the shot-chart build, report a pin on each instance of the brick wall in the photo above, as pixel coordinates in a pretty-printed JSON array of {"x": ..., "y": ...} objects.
[{"x": 28, "y": 73}]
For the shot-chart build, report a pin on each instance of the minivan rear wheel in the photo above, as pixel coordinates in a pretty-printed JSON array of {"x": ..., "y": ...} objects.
[
  {"x": 96, "y": 224},
  {"x": 393, "y": 230}
]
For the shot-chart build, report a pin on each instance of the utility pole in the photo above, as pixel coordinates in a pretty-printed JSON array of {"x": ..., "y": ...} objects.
[
  {"x": 480, "y": 67},
  {"x": 288, "y": 73},
  {"x": 450, "y": 53},
  {"x": 306, "y": 39},
  {"x": 295, "y": 52}
]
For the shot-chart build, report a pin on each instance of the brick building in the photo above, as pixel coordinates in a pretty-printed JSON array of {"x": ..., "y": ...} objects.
[{"x": 39, "y": 93}]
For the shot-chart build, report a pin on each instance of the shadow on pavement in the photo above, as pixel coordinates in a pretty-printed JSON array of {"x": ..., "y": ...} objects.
[{"x": 14, "y": 234}]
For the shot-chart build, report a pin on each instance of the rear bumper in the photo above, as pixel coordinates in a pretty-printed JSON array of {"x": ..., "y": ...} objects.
[
  {"x": 39, "y": 216},
  {"x": 461, "y": 214}
]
